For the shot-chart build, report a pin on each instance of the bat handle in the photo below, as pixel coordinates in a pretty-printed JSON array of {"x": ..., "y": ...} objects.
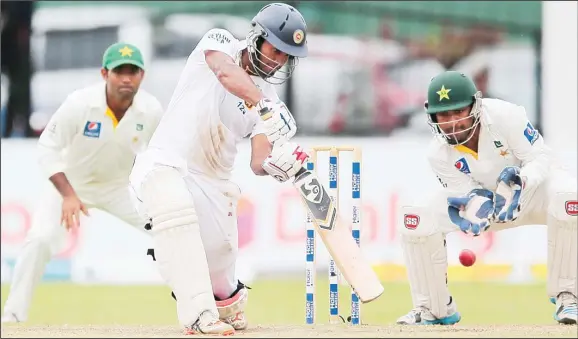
[{"x": 299, "y": 173}]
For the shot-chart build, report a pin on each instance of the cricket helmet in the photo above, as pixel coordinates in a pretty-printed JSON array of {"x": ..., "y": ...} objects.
[
  {"x": 282, "y": 26},
  {"x": 452, "y": 91}
]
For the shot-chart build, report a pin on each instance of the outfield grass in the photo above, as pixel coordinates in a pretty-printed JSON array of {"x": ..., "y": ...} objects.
[{"x": 280, "y": 302}]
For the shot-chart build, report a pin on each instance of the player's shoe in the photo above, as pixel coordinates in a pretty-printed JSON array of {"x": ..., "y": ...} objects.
[
  {"x": 208, "y": 323},
  {"x": 232, "y": 310},
  {"x": 9, "y": 318},
  {"x": 238, "y": 321},
  {"x": 423, "y": 316},
  {"x": 566, "y": 308}
]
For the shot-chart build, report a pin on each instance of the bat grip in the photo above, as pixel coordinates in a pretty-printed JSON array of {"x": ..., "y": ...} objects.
[{"x": 299, "y": 173}]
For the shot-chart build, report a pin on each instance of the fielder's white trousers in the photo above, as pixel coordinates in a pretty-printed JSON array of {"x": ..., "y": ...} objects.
[{"x": 47, "y": 237}]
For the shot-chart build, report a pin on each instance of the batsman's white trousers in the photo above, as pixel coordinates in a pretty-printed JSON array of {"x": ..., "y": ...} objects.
[
  {"x": 216, "y": 207},
  {"x": 47, "y": 236},
  {"x": 424, "y": 225}
]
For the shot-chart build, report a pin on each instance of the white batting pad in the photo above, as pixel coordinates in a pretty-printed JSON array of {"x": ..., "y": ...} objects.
[
  {"x": 426, "y": 262},
  {"x": 416, "y": 221},
  {"x": 562, "y": 245},
  {"x": 178, "y": 245}
]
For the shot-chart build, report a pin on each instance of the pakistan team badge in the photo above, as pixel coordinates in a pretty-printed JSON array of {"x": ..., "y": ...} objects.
[
  {"x": 125, "y": 51},
  {"x": 139, "y": 127},
  {"x": 444, "y": 93}
]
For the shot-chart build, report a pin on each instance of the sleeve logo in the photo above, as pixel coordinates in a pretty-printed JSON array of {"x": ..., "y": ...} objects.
[
  {"x": 531, "y": 133},
  {"x": 220, "y": 38}
]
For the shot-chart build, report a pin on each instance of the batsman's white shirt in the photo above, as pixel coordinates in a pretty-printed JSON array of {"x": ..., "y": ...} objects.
[
  {"x": 198, "y": 135},
  {"x": 203, "y": 122}
]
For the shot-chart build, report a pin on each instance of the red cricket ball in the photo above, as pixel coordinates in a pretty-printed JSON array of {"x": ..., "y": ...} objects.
[{"x": 467, "y": 258}]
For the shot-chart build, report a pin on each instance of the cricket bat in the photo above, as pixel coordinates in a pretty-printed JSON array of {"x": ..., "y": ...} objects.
[{"x": 337, "y": 237}]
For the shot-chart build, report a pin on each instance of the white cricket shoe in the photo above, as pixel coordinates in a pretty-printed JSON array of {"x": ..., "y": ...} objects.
[
  {"x": 232, "y": 310},
  {"x": 238, "y": 321},
  {"x": 423, "y": 316},
  {"x": 9, "y": 318},
  {"x": 566, "y": 309},
  {"x": 208, "y": 323}
]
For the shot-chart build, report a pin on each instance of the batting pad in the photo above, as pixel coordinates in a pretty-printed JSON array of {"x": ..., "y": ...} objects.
[
  {"x": 426, "y": 262},
  {"x": 178, "y": 245},
  {"x": 562, "y": 246}
]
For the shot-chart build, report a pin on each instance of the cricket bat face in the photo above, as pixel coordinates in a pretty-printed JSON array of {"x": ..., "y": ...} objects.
[{"x": 337, "y": 237}]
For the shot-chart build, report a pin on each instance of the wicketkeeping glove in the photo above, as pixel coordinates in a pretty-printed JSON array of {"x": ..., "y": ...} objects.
[
  {"x": 508, "y": 195},
  {"x": 472, "y": 213}
]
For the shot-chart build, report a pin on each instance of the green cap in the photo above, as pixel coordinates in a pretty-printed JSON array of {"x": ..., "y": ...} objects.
[
  {"x": 122, "y": 54},
  {"x": 449, "y": 91}
]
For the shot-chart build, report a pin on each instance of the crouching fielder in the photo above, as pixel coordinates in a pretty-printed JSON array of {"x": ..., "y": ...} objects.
[
  {"x": 496, "y": 173},
  {"x": 182, "y": 181},
  {"x": 87, "y": 152}
]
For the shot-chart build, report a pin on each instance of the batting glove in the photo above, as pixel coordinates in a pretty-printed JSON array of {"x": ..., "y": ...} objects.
[
  {"x": 279, "y": 122},
  {"x": 285, "y": 161}
]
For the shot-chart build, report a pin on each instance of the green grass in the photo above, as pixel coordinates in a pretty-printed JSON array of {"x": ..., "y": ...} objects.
[{"x": 279, "y": 302}]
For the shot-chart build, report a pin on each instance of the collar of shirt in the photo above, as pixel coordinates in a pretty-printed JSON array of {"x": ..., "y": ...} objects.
[{"x": 99, "y": 101}]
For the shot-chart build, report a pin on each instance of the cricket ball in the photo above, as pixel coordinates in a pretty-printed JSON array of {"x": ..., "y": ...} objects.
[{"x": 467, "y": 258}]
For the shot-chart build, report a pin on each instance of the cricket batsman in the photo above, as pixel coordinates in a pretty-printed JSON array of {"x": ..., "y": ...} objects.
[
  {"x": 86, "y": 152},
  {"x": 497, "y": 173},
  {"x": 182, "y": 182}
]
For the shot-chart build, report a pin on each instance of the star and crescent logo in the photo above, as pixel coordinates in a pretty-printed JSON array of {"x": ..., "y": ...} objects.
[
  {"x": 125, "y": 51},
  {"x": 444, "y": 93}
]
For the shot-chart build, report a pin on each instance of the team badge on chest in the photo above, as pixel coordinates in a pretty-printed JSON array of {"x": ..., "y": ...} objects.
[
  {"x": 92, "y": 129},
  {"x": 462, "y": 166}
]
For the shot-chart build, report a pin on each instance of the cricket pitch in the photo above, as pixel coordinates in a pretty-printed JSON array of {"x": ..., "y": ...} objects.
[{"x": 316, "y": 331}]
